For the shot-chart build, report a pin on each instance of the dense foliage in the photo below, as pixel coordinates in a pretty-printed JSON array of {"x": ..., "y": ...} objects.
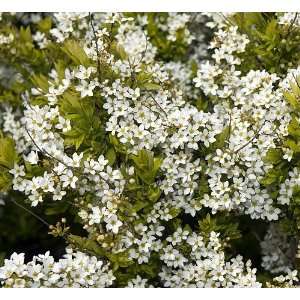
[{"x": 149, "y": 149}]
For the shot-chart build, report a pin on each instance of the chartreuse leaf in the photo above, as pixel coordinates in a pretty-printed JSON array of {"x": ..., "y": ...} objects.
[
  {"x": 118, "y": 50},
  {"x": 292, "y": 145},
  {"x": 294, "y": 128},
  {"x": 8, "y": 157},
  {"x": 120, "y": 259},
  {"x": 81, "y": 115},
  {"x": 154, "y": 193},
  {"x": 60, "y": 67},
  {"x": 76, "y": 53},
  {"x": 45, "y": 24},
  {"x": 25, "y": 35},
  {"x": 272, "y": 176},
  {"x": 273, "y": 156},
  {"x": 5, "y": 181},
  {"x": 40, "y": 81},
  {"x": 295, "y": 88},
  {"x": 150, "y": 86},
  {"x": 8, "y": 154},
  {"x": 147, "y": 165},
  {"x": 291, "y": 99}
]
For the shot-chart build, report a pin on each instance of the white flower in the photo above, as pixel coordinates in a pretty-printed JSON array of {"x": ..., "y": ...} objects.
[
  {"x": 17, "y": 171},
  {"x": 58, "y": 194},
  {"x": 85, "y": 73},
  {"x": 69, "y": 179},
  {"x": 288, "y": 154},
  {"x": 35, "y": 199},
  {"x": 63, "y": 124},
  {"x": 96, "y": 216},
  {"x": 113, "y": 224},
  {"x": 32, "y": 157},
  {"x": 86, "y": 88},
  {"x": 75, "y": 269}
]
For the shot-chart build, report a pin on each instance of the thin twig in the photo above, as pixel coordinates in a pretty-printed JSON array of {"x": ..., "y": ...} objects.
[
  {"x": 43, "y": 150},
  {"x": 229, "y": 129},
  {"x": 287, "y": 35},
  {"x": 30, "y": 212},
  {"x": 226, "y": 19},
  {"x": 296, "y": 80},
  {"x": 68, "y": 167},
  {"x": 251, "y": 140},
  {"x": 96, "y": 43},
  {"x": 291, "y": 26},
  {"x": 3, "y": 166},
  {"x": 158, "y": 105},
  {"x": 146, "y": 48}
]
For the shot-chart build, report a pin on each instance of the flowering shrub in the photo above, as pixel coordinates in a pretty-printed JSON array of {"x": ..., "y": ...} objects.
[{"x": 160, "y": 149}]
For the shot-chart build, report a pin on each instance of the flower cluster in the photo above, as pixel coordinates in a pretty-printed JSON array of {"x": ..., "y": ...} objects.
[
  {"x": 76, "y": 269},
  {"x": 253, "y": 110},
  {"x": 205, "y": 266},
  {"x": 277, "y": 251}
]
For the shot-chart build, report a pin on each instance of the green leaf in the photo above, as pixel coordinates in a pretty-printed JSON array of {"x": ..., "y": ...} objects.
[
  {"x": 120, "y": 260},
  {"x": 56, "y": 208},
  {"x": 272, "y": 176},
  {"x": 154, "y": 193},
  {"x": 122, "y": 52},
  {"x": 271, "y": 29},
  {"x": 138, "y": 206},
  {"x": 147, "y": 165},
  {"x": 111, "y": 156},
  {"x": 225, "y": 225},
  {"x": 203, "y": 186},
  {"x": 120, "y": 148},
  {"x": 86, "y": 244},
  {"x": 174, "y": 212},
  {"x": 295, "y": 88},
  {"x": 81, "y": 113},
  {"x": 74, "y": 138},
  {"x": 221, "y": 139}
]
